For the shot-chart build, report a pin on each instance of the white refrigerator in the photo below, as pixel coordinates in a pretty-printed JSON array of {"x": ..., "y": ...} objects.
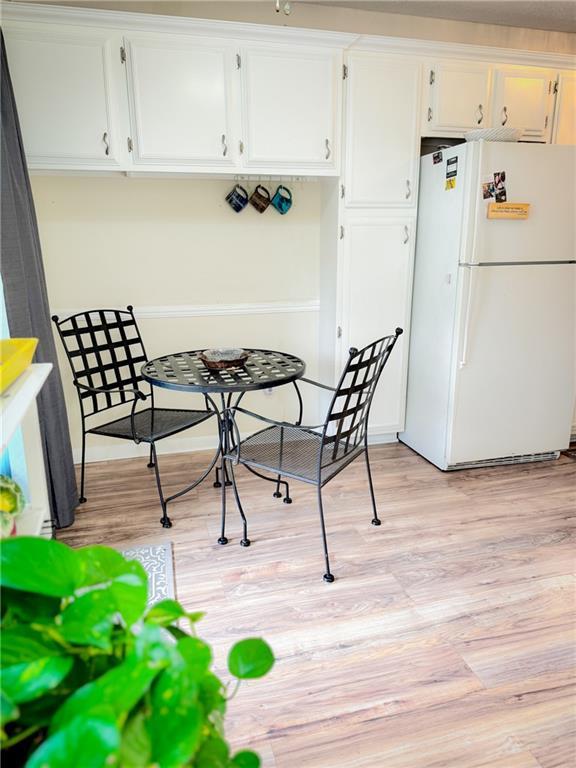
[{"x": 491, "y": 375}]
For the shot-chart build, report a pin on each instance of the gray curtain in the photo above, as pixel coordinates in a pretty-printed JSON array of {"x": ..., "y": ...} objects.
[{"x": 27, "y": 302}]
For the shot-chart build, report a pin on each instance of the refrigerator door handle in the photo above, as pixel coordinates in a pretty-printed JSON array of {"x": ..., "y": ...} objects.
[{"x": 467, "y": 313}]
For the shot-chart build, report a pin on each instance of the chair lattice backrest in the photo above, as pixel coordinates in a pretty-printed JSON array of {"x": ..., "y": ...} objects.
[
  {"x": 105, "y": 351},
  {"x": 347, "y": 420}
]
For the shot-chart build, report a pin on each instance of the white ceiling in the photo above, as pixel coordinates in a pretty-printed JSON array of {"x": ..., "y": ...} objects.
[{"x": 556, "y": 15}]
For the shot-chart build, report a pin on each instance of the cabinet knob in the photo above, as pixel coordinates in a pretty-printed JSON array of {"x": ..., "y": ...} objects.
[
  {"x": 408, "y": 189},
  {"x": 406, "y": 235},
  {"x": 504, "y": 115},
  {"x": 106, "y": 143},
  {"x": 224, "y": 145},
  {"x": 429, "y": 114},
  {"x": 480, "y": 114},
  {"x": 328, "y": 150}
]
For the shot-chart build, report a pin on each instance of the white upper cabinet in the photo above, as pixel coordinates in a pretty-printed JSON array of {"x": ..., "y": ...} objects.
[
  {"x": 181, "y": 94},
  {"x": 564, "y": 131},
  {"x": 382, "y": 136},
  {"x": 291, "y": 107},
  {"x": 458, "y": 97},
  {"x": 67, "y": 96},
  {"x": 523, "y": 98}
]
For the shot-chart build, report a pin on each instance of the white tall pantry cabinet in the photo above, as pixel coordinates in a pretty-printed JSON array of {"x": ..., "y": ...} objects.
[{"x": 378, "y": 195}]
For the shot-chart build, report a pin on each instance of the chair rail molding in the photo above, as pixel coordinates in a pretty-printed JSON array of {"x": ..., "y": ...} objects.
[{"x": 212, "y": 310}]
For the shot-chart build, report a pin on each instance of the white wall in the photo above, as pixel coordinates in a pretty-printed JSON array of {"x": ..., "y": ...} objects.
[{"x": 109, "y": 242}]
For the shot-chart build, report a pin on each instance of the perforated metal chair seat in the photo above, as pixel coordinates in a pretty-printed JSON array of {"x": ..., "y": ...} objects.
[
  {"x": 166, "y": 422},
  {"x": 294, "y": 452}
]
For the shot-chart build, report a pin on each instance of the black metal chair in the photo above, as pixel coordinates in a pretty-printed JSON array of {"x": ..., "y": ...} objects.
[
  {"x": 105, "y": 351},
  {"x": 316, "y": 454}
]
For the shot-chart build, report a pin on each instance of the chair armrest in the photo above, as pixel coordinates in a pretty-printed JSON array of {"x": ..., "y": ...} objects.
[
  {"x": 111, "y": 390},
  {"x": 272, "y": 421},
  {"x": 317, "y": 384}
]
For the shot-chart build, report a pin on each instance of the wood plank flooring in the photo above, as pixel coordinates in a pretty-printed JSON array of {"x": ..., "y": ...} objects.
[{"x": 447, "y": 639}]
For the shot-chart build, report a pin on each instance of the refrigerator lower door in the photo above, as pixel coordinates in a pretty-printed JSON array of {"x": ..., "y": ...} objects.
[{"x": 513, "y": 378}]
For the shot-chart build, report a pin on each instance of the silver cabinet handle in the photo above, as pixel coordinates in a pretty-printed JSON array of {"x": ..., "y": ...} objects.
[
  {"x": 408, "y": 189},
  {"x": 338, "y": 332},
  {"x": 429, "y": 114},
  {"x": 328, "y": 150},
  {"x": 481, "y": 114},
  {"x": 504, "y": 115},
  {"x": 106, "y": 143},
  {"x": 241, "y": 147},
  {"x": 224, "y": 145},
  {"x": 406, "y": 235}
]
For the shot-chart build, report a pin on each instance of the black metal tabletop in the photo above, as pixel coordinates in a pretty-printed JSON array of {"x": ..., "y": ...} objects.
[{"x": 186, "y": 372}]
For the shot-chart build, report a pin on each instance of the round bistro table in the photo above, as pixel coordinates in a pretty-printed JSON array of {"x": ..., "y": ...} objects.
[{"x": 185, "y": 372}]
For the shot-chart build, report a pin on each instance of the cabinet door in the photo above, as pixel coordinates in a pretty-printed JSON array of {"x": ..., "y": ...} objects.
[
  {"x": 376, "y": 290},
  {"x": 181, "y": 101},
  {"x": 290, "y": 108},
  {"x": 523, "y": 99},
  {"x": 65, "y": 84},
  {"x": 382, "y": 137},
  {"x": 564, "y": 131},
  {"x": 459, "y": 96}
]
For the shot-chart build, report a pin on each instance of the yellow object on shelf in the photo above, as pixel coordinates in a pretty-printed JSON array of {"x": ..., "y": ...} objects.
[{"x": 15, "y": 356}]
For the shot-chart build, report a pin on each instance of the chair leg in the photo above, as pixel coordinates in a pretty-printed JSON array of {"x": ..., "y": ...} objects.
[
  {"x": 287, "y": 498},
  {"x": 82, "y": 498},
  {"x": 328, "y": 575},
  {"x": 375, "y": 520},
  {"x": 217, "y": 482},
  {"x": 151, "y": 458},
  {"x": 164, "y": 520},
  {"x": 244, "y": 541}
]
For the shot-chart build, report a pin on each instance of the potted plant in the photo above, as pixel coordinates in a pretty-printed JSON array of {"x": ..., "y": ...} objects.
[
  {"x": 12, "y": 503},
  {"x": 91, "y": 677}
]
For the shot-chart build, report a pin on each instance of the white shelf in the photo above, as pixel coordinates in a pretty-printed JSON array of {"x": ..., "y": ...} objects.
[
  {"x": 18, "y": 409},
  {"x": 15, "y": 402}
]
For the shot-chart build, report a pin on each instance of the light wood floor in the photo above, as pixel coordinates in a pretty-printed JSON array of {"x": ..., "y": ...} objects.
[{"x": 446, "y": 640}]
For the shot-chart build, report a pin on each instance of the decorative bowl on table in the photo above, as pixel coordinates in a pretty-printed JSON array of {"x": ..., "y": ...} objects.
[{"x": 217, "y": 359}]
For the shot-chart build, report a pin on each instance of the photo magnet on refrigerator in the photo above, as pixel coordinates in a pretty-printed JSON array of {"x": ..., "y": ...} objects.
[
  {"x": 437, "y": 158},
  {"x": 487, "y": 190},
  {"x": 500, "y": 186}
]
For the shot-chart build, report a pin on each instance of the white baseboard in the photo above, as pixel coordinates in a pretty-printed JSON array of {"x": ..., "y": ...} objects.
[{"x": 125, "y": 449}]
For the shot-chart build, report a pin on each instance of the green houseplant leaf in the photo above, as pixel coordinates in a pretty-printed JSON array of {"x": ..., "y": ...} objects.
[
  {"x": 39, "y": 565},
  {"x": 31, "y": 664},
  {"x": 246, "y": 759},
  {"x": 125, "y": 580},
  {"x": 8, "y": 710},
  {"x": 135, "y": 747},
  {"x": 250, "y": 659},
  {"x": 101, "y": 679},
  {"x": 175, "y": 728},
  {"x": 89, "y": 741},
  {"x": 89, "y": 619}
]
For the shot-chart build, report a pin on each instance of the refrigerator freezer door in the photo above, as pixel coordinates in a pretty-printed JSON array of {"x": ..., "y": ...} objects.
[
  {"x": 540, "y": 174},
  {"x": 513, "y": 391}
]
